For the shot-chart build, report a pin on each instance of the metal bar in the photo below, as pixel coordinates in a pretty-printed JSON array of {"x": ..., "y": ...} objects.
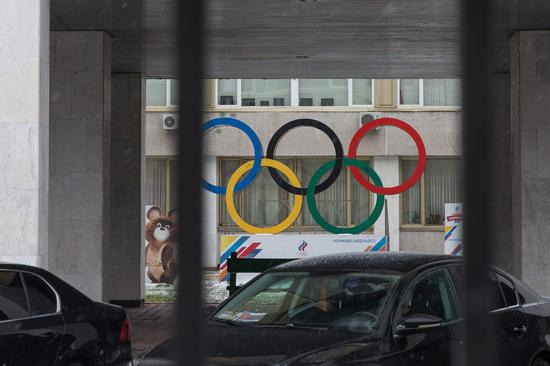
[
  {"x": 190, "y": 343},
  {"x": 477, "y": 126}
]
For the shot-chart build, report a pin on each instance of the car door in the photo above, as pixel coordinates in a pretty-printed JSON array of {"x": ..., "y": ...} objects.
[
  {"x": 431, "y": 294},
  {"x": 507, "y": 321}
]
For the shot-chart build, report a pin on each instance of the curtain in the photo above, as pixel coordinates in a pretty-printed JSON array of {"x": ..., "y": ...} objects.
[
  {"x": 331, "y": 203},
  {"x": 155, "y": 183},
  {"x": 408, "y": 91},
  {"x": 443, "y": 184},
  {"x": 410, "y": 199},
  {"x": 360, "y": 198},
  {"x": 173, "y": 185},
  {"x": 362, "y": 91},
  {"x": 442, "y": 92},
  {"x": 227, "y": 91},
  {"x": 155, "y": 92},
  {"x": 323, "y": 92},
  {"x": 266, "y": 92},
  {"x": 227, "y": 168}
]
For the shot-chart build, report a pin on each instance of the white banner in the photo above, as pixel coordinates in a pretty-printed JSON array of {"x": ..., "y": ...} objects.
[
  {"x": 453, "y": 228},
  {"x": 294, "y": 246}
]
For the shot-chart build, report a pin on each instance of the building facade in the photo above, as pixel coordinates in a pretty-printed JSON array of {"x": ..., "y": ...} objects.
[{"x": 415, "y": 217}]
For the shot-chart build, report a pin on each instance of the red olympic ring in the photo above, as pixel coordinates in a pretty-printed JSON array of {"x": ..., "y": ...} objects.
[{"x": 352, "y": 153}]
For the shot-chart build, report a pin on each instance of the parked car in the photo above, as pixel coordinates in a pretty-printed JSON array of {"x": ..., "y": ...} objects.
[
  {"x": 44, "y": 321},
  {"x": 367, "y": 309}
]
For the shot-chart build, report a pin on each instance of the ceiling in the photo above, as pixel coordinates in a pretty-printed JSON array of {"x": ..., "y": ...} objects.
[{"x": 293, "y": 38}]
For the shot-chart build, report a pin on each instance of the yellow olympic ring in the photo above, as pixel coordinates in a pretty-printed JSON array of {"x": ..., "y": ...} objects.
[{"x": 230, "y": 202}]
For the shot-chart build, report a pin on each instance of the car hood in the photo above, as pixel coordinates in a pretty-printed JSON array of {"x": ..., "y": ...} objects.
[{"x": 247, "y": 345}]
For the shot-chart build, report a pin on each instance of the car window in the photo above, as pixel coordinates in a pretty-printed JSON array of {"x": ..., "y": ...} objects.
[
  {"x": 42, "y": 299},
  {"x": 432, "y": 294},
  {"x": 496, "y": 297},
  {"x": 526, "y": 294},
  {"x": 508, "y": 290},
  {"x": 13, "y": 302}
]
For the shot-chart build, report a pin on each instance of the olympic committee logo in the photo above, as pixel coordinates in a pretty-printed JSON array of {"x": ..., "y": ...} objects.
[
  {"x": 247, "y": 173},
  {"x": 302, "y": 249}
]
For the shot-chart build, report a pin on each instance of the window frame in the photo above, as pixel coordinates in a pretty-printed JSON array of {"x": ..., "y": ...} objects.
[
  {"x": 222, "y": 227},
  {"x": 294, "y": 97},
  {"x": 494, "y": 272},
  {"x": 422, "y": 226},
  {"x": 57, "y": 297},
  {"x": 421, "y": 103}
]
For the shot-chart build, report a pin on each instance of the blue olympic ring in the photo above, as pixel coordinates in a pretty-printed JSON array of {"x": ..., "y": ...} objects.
[{"x": 258, "y": 152}]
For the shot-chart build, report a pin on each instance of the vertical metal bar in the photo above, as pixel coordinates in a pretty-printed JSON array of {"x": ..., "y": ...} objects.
[
  {"x": 190, "y": 343},
  {"x": 477, "y": 126}
]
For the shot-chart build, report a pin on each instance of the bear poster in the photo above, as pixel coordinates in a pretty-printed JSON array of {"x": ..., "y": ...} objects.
[{"x": 160, "y": 254}]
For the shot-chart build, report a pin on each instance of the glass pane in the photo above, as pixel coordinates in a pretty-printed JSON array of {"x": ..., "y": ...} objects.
[
  {"x": 408, "y": 91},
  {"x": 227, "y": 91},
  {"x": 443, "y": 179},
  {"x": 13, "y": 301},
  {"x": 323, "y": 92},
  {"x": 362, "y": 91},
  {"x": 265, "y": 92},
  {"x": 155, "y": 183},
  {"x": 508, "y": 291},
  {"x": 410, "y": 199},
  {"x": 496, "y": 299},
  {"x": 332, "y": 202},
  {"x": 174, "y": 92},
  {"x": 442, "y": 92},
  {"x": 227, "y": 168},
  {"x": 432, "y": 295},
  {"x": 360, "y": 197},
  {"x": 264, "y": 202},
  {"x": 155, "y": 92},
  {"x": 41, "y": 296}
]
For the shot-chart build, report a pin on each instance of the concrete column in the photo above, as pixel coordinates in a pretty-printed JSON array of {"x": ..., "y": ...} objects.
[
  {"x": 387, "y": 167},
  {"x": 530, "y": 84},
  {"x": 24, "y": 127},
  {"x": 80, "y": 158},
  {"x": 123, "y": 275}
]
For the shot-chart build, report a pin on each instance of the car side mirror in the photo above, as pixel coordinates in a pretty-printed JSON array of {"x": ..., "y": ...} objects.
[{"x": 418, "y": 323}]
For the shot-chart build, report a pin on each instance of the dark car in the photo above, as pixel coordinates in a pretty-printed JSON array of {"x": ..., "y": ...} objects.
[
  {"x": 44, "y": 322},
  {"x": 367, "y": 309}
]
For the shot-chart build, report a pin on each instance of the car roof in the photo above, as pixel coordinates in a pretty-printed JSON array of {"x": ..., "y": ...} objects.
[{"x": 387, "y": 261}]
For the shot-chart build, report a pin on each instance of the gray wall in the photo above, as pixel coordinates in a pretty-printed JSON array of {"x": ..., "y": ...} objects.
[{"x": 80, "y": 145}]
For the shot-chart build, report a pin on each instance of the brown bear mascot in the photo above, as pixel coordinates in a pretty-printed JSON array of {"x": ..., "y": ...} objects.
[{"x": 160, "y": 252}]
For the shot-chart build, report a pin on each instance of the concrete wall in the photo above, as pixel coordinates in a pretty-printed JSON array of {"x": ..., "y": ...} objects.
[
  {"x": 80, "y": 145},
  {"x": 24, "y": 127},
  {"x": 123, "y": 276},
  {"x": 530, "y": 83},
  {"x": 439, "y": 129}
]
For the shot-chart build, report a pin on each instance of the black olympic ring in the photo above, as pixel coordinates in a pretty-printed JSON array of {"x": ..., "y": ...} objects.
[{"x": 305, "y": 122}]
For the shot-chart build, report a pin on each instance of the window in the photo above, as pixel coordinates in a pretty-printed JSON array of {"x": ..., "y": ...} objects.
[
  {"x": 13, "y": 301},
  {"x": 362, "y": 91},
  {"x": 265, "y": 92},
  {"x": 432, "y": 295},
  {"x": 430, "y": 92},
  {"x": 508, "y": 291},
  {"x": 424, "y": 203},
  {"x": 323, "y": 92},
  {"x": 264, "y": 203},
  {"x": 227, "y": 91},
  {"x": 161, "y": 92},
  {"x": 496, "y": 297},
  {"x": 42, "y": 299},
  {"x": 160, "y": 183}
]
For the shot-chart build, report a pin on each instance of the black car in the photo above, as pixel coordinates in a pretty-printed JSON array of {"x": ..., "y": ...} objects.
[
  {"x": 368, "y": 309},
  {"x": 44, "y": 322}
]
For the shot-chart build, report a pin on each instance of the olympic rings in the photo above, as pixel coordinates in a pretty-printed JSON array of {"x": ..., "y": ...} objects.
[
  {"x": 356, "y": 139},
  {"x": 230, "y": 202},
  {"x": 256, "y": 167},
  {"x": 253, "y": 168},
  {"x": 345, "y": 230},
  {"x": 306, "y": 123}
]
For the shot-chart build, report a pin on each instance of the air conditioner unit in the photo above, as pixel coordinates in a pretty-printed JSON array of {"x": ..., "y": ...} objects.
[
  {"x": 170, "y": 121},
  {"x": 367, "y": 117}
]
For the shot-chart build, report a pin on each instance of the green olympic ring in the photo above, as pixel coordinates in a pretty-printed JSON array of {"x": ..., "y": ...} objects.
[{"x": 344, "y": 230}]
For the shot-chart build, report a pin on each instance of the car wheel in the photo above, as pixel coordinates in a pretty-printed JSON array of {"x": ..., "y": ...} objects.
[{"x": 540, "y": 362}]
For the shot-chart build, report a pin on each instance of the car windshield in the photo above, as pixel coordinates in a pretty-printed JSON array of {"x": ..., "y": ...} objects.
[{"x": 351, "y": 301}]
